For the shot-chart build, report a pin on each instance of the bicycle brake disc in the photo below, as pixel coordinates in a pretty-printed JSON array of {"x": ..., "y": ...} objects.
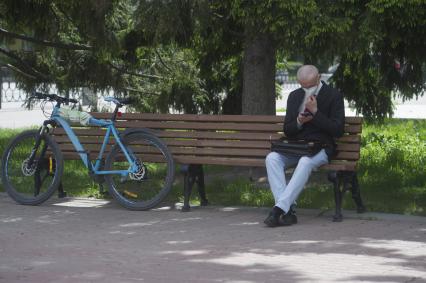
[
  {"x": 28, "y": 171},
  {"x": 141, "y": 173}
]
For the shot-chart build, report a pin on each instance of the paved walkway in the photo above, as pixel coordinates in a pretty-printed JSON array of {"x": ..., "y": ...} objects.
[{"x": 82, "y": 240}]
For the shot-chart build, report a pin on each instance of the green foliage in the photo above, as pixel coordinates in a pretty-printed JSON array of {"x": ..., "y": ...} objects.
[
  {"x": 384, "y": 55},
  {"x": 393, "y": 155},
  {"x": 136, "y": 48}
]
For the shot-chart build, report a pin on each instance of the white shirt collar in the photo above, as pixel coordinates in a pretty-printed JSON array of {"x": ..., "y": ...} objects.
[
  {"x": 302, "y": 105},
  {"x": 319, "y": 88}
]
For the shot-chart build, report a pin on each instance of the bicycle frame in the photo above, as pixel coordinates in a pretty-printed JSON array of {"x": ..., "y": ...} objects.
[{"x": 110, "y": 130}]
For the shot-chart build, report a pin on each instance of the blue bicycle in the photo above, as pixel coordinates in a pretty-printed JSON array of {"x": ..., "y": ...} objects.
[{"x": 138, "y": 169}]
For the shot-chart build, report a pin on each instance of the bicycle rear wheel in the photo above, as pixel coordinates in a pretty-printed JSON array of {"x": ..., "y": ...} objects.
[
  {"x": 34, "y": 183},
  {"x": 155, "y": 172}
]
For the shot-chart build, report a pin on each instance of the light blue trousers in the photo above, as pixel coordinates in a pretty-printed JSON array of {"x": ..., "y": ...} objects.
[{"x": 276, "y": 164}]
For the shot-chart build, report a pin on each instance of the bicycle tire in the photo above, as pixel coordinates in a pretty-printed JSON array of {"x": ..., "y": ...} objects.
[
  {"x": 156, "y": 161},
  {"x": 14, "y": 172}
]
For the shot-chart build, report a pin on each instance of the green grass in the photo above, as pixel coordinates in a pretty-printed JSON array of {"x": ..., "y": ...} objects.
[
  {"x": 243, "y": 192},
  {"x": 391, "y": 173},
  {"x": 76, "y": 180},
  {"x": 5, "y": 136}
]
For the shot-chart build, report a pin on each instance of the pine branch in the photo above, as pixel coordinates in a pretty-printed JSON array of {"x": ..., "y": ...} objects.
[
  {"x": 161, "y": 60},
  {"x": 142, "y": 91},
  {"x": 61, "y": 45},
  {"x": 17, "y": 70},
  {"x": 24, "y": 65},
  {"x": 122, "y": 70}
]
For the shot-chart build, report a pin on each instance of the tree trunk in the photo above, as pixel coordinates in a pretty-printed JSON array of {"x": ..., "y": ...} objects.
[{"x": 259, "y": 76}]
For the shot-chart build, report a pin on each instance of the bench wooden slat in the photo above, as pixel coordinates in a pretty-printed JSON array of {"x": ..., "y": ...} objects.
[
  {"x": 193, "y": 118},
  {"x": 260, "y": 153},
  {"x": 353, "y": 138},
  {"x": 345, "y": 166},
  {"x": 247, "y": 127},
  {"x": 349, "y": 139},
  {"x": 183, "y": 159},
  {"x": 207, "y": 118},
  {"x": 212, "y": 152},
  {"x": 204, "y": 143}
]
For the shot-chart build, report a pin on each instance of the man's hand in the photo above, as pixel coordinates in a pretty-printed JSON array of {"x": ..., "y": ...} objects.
[
  {"x": 304, "y": 119},
  {"x": 311, "y": 104}
]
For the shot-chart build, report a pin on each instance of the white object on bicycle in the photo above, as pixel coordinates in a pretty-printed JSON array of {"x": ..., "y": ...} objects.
[{"x": 75, "y": 116}]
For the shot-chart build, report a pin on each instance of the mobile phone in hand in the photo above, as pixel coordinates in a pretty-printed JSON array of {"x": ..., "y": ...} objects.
[{"x": 306, "y": 114}]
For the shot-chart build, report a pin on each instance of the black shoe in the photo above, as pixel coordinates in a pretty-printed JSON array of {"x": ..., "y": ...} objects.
[
  {"x": 292, "y": 214},
  {"x": 272, "y": 220},
  {"x": 288, "y": 219}
]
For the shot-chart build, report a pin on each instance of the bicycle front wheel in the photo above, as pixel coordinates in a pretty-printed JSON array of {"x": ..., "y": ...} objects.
[
  {"x": 27, "y": 182},
  {"x": 153, "y": 177}
]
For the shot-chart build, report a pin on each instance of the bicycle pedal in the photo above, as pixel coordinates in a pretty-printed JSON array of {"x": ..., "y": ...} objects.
[{"x": 130, "y": 194}]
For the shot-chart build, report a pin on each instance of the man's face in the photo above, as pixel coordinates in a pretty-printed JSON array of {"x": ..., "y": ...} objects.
[
  {"x": 310, "y": 83},
  {"x": 310, "y": 86}
]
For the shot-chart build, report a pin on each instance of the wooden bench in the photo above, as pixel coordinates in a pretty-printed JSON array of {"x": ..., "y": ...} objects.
[{"x": 239, "y": 140}]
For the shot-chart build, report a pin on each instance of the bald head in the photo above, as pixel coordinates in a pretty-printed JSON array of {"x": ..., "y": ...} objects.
[{"x": 307, "y": 75}]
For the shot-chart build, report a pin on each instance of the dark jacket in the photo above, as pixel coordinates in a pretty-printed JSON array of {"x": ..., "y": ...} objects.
[{"x": 327, "y": 124}]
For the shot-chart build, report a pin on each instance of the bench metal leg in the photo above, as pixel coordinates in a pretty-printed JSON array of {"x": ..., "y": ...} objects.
[
  {"x": 342, "y": 180},
  {"x": 61, "y": 192},
  {"x": 356, "y": 194},
  {"x": 336, "y": 180},
  {"x": 193, "y": 173},
  {"x": 201, "y": 187}
]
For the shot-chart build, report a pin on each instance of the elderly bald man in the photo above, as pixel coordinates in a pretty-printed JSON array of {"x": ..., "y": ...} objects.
[{"x": 315, "y": 112}]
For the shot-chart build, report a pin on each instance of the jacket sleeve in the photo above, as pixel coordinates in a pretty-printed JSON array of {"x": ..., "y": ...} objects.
[
  {"x": 290, "y": 120},
  {"x": 334, "y": 124}
]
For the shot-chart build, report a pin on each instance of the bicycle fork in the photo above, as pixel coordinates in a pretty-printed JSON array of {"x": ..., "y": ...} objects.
[{"x": 36, "y": 146}]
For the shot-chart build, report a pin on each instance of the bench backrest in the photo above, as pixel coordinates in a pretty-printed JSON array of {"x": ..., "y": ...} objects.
[{"x": 242, "y": 140}]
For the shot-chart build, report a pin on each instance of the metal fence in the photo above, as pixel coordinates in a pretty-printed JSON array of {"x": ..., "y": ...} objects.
[{"x": 10, "y": 92}]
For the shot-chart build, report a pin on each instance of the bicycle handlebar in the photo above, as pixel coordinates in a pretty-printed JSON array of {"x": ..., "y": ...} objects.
[{"x": 52, "y": 97}]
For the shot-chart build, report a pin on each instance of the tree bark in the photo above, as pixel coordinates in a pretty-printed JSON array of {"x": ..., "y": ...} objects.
[{"x": 259, "y": 76}]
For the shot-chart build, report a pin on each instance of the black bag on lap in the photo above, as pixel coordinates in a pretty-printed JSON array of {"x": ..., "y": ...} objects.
[{"x": 296, "y": 147}]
